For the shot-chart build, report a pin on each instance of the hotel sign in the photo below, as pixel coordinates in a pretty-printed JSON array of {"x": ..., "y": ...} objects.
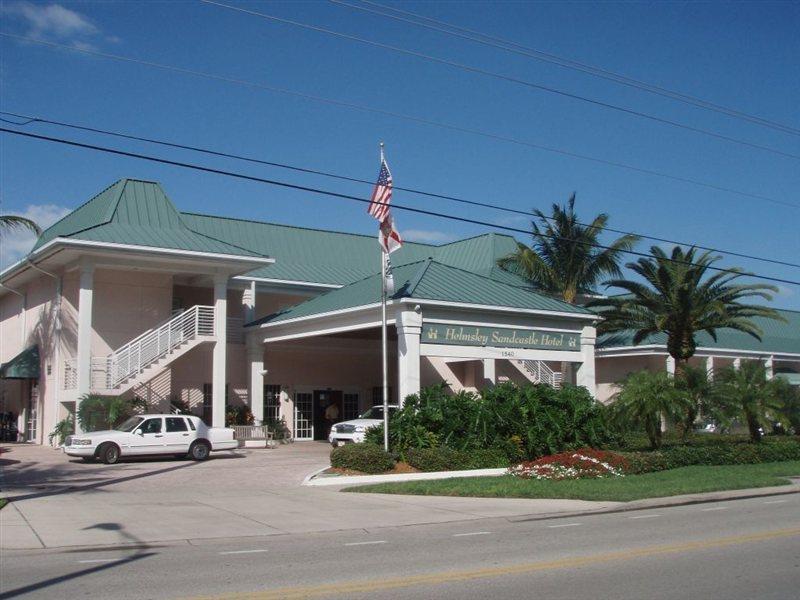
[{"x": 498, "y": 337}]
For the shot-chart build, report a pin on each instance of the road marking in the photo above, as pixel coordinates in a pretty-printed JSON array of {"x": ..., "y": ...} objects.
[
  {"x": 775, "y": 502},
  {"x": 349, "y": 588},
  {"x": 100, "y": 560},
  {"x": 564, "y": 525},
  {"x": 714, "y": 508},
  {"x": 645, "y": 517},
  {"x": 244, "y": 551},
  {"x": 366, "y": 543},
  {"x": 472, "y": 533}
]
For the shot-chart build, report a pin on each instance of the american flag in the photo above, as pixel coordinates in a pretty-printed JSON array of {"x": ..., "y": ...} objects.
[{"x": 382, "y": 194}]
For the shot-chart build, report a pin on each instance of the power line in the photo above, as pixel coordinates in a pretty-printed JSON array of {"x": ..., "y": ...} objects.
[
  {"x": 500, "y": 76},
  {"x": 318, "y": 191},
  {"x": 406, "y": 117},
  {"x": 30, "y": 119},
  {"x": 522, "y": 50}
]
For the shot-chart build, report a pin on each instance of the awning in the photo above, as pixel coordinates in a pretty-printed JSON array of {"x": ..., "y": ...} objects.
[{"x": 24, "y": 365}]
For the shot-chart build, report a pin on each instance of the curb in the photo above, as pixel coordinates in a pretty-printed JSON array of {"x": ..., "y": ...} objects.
[
  {"x": 666, "y": 502},
  {"x": 397, "y": 477}
]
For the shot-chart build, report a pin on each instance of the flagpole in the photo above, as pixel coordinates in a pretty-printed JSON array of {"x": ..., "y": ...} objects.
[{"x": 384, "y": 360}]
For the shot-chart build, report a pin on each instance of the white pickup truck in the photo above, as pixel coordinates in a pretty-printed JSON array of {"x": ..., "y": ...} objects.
[{"x": 180, "y": 435}]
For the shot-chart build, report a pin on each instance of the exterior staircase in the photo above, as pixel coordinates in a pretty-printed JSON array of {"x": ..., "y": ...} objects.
[
  {"x": 537, "y": 371},
  {"x": 145, "y": 356}
]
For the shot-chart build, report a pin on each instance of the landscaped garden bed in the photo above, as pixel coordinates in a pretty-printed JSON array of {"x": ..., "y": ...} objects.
[{"x": 684, "y": 480}]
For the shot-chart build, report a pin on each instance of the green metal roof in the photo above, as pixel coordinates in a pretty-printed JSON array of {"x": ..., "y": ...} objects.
[
  {"x": 778, "y": 337},
  {"x": 429, "y": 280},
  {"x": 24, "y": 365},
  {"x": 137, "y": 213}
]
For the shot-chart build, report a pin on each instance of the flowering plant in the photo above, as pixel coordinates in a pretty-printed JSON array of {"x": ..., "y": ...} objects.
[{"x": 577, "y": 464}]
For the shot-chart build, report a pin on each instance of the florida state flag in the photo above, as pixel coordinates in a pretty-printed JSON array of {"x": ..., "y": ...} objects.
[{"x": 388, "y": 236}]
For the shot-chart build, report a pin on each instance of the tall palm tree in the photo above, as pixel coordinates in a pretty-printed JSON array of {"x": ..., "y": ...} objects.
[
  {"x": 564, "y": 258},
  {"x": 12, "y": 222},
  {"x": 681, "y": 298}
]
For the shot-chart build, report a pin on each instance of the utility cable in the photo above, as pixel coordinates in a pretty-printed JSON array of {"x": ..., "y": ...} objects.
[
  {"x": 500, "y": 76},
  {"x": 522, "y": 50},
  {"x": 402, "y": 116},
  {"x": 318, "y": 191},
  {"x": 31, "y": 119}
]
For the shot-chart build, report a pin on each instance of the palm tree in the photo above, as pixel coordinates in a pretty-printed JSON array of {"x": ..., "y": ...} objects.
[
  {"x": 680, "y": 298},
  {"x": 13, "y": 222},
  {"x": 644, "y": 399},
  {"x": 751, "y": 397},
  {"x": 700, "y": 394},
  {"x": 565, "y": 258}
]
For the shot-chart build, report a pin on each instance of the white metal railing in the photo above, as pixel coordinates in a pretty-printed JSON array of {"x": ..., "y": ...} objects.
[
  {"x": 70, "y": 373},
  {"x": 144, "y": 350},
  {"x": 156, "y": 343},
  {"x": 541, "y": 373}
]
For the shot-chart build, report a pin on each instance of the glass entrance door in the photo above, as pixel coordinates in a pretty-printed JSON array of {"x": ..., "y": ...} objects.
[{"x": 303, "y": 416}]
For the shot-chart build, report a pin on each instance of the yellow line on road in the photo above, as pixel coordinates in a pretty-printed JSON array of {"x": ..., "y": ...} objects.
[{"x": 376, "y": 585}]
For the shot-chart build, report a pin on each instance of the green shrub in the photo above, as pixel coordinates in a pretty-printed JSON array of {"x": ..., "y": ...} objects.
[
  {"x": 731, "y": 453},
  {"x": 367, "y": 458},
  {"x": 63, "y": 428},
  {"x": 448, "y": 459},
  {"x": 522, "y": 421},
  {"x": 97, "y": 413}
]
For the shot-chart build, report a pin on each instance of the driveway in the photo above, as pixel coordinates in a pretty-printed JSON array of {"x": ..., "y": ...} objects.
[{"x": 59, "y": 502}]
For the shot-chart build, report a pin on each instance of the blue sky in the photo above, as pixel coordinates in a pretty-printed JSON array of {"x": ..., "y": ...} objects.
[{"x": 741, "y": 55}]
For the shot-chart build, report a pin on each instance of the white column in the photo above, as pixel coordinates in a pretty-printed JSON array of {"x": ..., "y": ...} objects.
[
  {"x": 710, "y": 368},
  {"x": 409, "y": 328},
  {"x": 670, "y": 363},
  {"x": 586, "y": 371},
  {"x": 255, "y": 360},
  {"x": 769, "y": 365},
  {"x": 489, "y": 371},
  {"x": 737, "y": 363},
  {"x": 219, "y": 369},
  {"x": 84, "y": 358}
]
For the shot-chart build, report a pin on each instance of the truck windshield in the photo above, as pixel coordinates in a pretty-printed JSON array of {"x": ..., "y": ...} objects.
[
  {"x": 376, "y": 412},
  {"x": 130, "y": 424}
]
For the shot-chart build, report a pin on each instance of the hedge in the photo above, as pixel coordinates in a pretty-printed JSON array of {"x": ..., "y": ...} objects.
[
  {"x": 367, "y": 458},
  {"x": 768, "y": 450},
  {"x": 448, "y": 459}
]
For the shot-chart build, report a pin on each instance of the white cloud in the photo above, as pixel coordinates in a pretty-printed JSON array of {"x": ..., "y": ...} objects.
[
  {"x": 785, "y": 291},
  {"x": 17, "y": 243},
  {"x": 54, "y": 22},
  {"x": 427, "y": 236}
]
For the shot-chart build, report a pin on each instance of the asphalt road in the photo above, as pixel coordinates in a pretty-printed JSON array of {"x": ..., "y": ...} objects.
[{"x": 733, "y": 549}]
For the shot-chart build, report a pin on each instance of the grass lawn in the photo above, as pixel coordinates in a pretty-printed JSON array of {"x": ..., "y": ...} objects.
[
  {"x": 686, "y": 480},
  {"x": 3, "y": 502}
]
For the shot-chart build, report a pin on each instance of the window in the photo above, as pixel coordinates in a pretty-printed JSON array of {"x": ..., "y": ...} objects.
[
  {"x": 377, "y": 395},
  {"x": 151, "y": 426},
  {"x": 191, "y": 424},
  {"x": 272, "y": 402},
  {"x": 350, "y": 406},
  {"x": 176, "y": 424}
]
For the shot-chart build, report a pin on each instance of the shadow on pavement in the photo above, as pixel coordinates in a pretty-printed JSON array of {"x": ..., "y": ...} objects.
[{"x": 140, "y": 553}]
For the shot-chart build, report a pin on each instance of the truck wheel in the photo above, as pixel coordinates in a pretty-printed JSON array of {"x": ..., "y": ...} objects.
[
  {"x": 199, "y": 450},
  {"x": 110, "y": 454}
]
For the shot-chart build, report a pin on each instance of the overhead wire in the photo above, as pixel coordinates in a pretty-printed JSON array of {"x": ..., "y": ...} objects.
[
  {"x": 32, "y": 119},
  {"x": 402, "y": 116},
  {"x": 341, "y": 196},
  {"x": 567, "y": 63},
  {"x": 503, "y": 77}
]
